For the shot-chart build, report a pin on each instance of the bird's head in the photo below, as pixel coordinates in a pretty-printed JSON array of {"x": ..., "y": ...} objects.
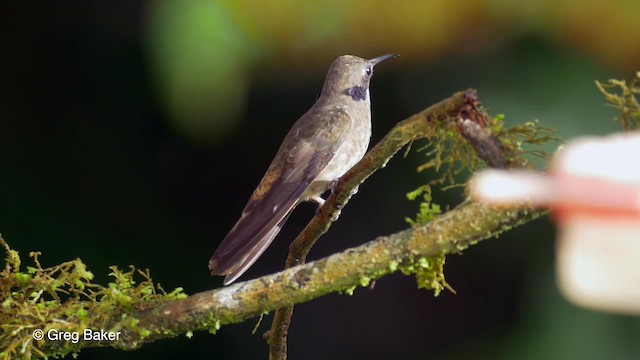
[{"x": 350, "y": 75}]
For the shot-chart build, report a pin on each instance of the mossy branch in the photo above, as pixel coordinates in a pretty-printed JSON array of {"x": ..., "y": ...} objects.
[
  {"x": 341, "y": 272},
  {"x": 143, "y": 315}
]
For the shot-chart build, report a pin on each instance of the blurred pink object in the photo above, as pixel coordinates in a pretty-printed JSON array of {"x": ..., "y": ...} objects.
[{"x": 593, "y": 190}]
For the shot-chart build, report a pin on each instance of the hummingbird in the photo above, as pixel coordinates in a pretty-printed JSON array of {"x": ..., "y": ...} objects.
[{"x": 331, "y": 137}]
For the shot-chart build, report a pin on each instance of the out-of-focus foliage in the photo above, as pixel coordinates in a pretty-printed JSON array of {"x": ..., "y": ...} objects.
[
  {"x": 199, "y": 56},
  {"x": 609, "y": 30},
  {"x": 202, "y": 51}
]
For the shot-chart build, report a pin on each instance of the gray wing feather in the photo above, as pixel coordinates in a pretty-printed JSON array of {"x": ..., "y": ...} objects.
[{"x": 262, "y": 218}]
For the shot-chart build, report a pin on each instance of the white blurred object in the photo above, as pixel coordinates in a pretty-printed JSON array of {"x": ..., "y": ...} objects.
[{"x": 593, "y": 189}]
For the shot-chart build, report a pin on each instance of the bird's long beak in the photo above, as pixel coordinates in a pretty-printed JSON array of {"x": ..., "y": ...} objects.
[{"x": 382, "y": 58}]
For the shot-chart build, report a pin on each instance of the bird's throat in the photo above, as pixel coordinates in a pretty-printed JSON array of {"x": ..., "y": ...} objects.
[{"x": 357, "y": 93}]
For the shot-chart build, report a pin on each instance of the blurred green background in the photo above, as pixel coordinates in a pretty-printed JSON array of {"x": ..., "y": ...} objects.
[{"x": 135, "y": 133}]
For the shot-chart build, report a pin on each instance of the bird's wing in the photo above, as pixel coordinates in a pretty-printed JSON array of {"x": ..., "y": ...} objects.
[{"x": 307, "y": 149}]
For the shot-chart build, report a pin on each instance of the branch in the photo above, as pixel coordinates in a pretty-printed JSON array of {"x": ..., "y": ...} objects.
[
  {"x": 410, "y": 250},
  {"x": 337, "y": 273}
]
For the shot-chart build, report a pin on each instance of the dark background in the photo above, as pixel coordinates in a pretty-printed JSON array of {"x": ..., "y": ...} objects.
[{"x": 135, "y": 133}]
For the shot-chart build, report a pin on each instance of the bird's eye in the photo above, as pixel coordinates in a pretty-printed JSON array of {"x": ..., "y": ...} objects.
[{"x": 368, "y": 70}]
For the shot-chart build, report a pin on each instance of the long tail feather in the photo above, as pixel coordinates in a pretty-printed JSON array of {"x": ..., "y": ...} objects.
[{"x": 255, "y": 230}]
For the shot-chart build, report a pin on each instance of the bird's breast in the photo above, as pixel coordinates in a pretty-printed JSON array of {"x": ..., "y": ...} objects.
[{"x": 355, "y": 142}]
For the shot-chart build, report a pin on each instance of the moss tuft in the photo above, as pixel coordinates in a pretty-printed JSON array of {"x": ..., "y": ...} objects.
[{"x": 64, "y": 298}]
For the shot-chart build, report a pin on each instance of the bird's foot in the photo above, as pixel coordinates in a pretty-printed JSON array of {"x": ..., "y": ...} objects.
[{"x": 318, "y": 200}]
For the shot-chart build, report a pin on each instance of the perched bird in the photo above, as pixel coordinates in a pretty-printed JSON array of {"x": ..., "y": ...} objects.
[{"x": 321, "y": 146}]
